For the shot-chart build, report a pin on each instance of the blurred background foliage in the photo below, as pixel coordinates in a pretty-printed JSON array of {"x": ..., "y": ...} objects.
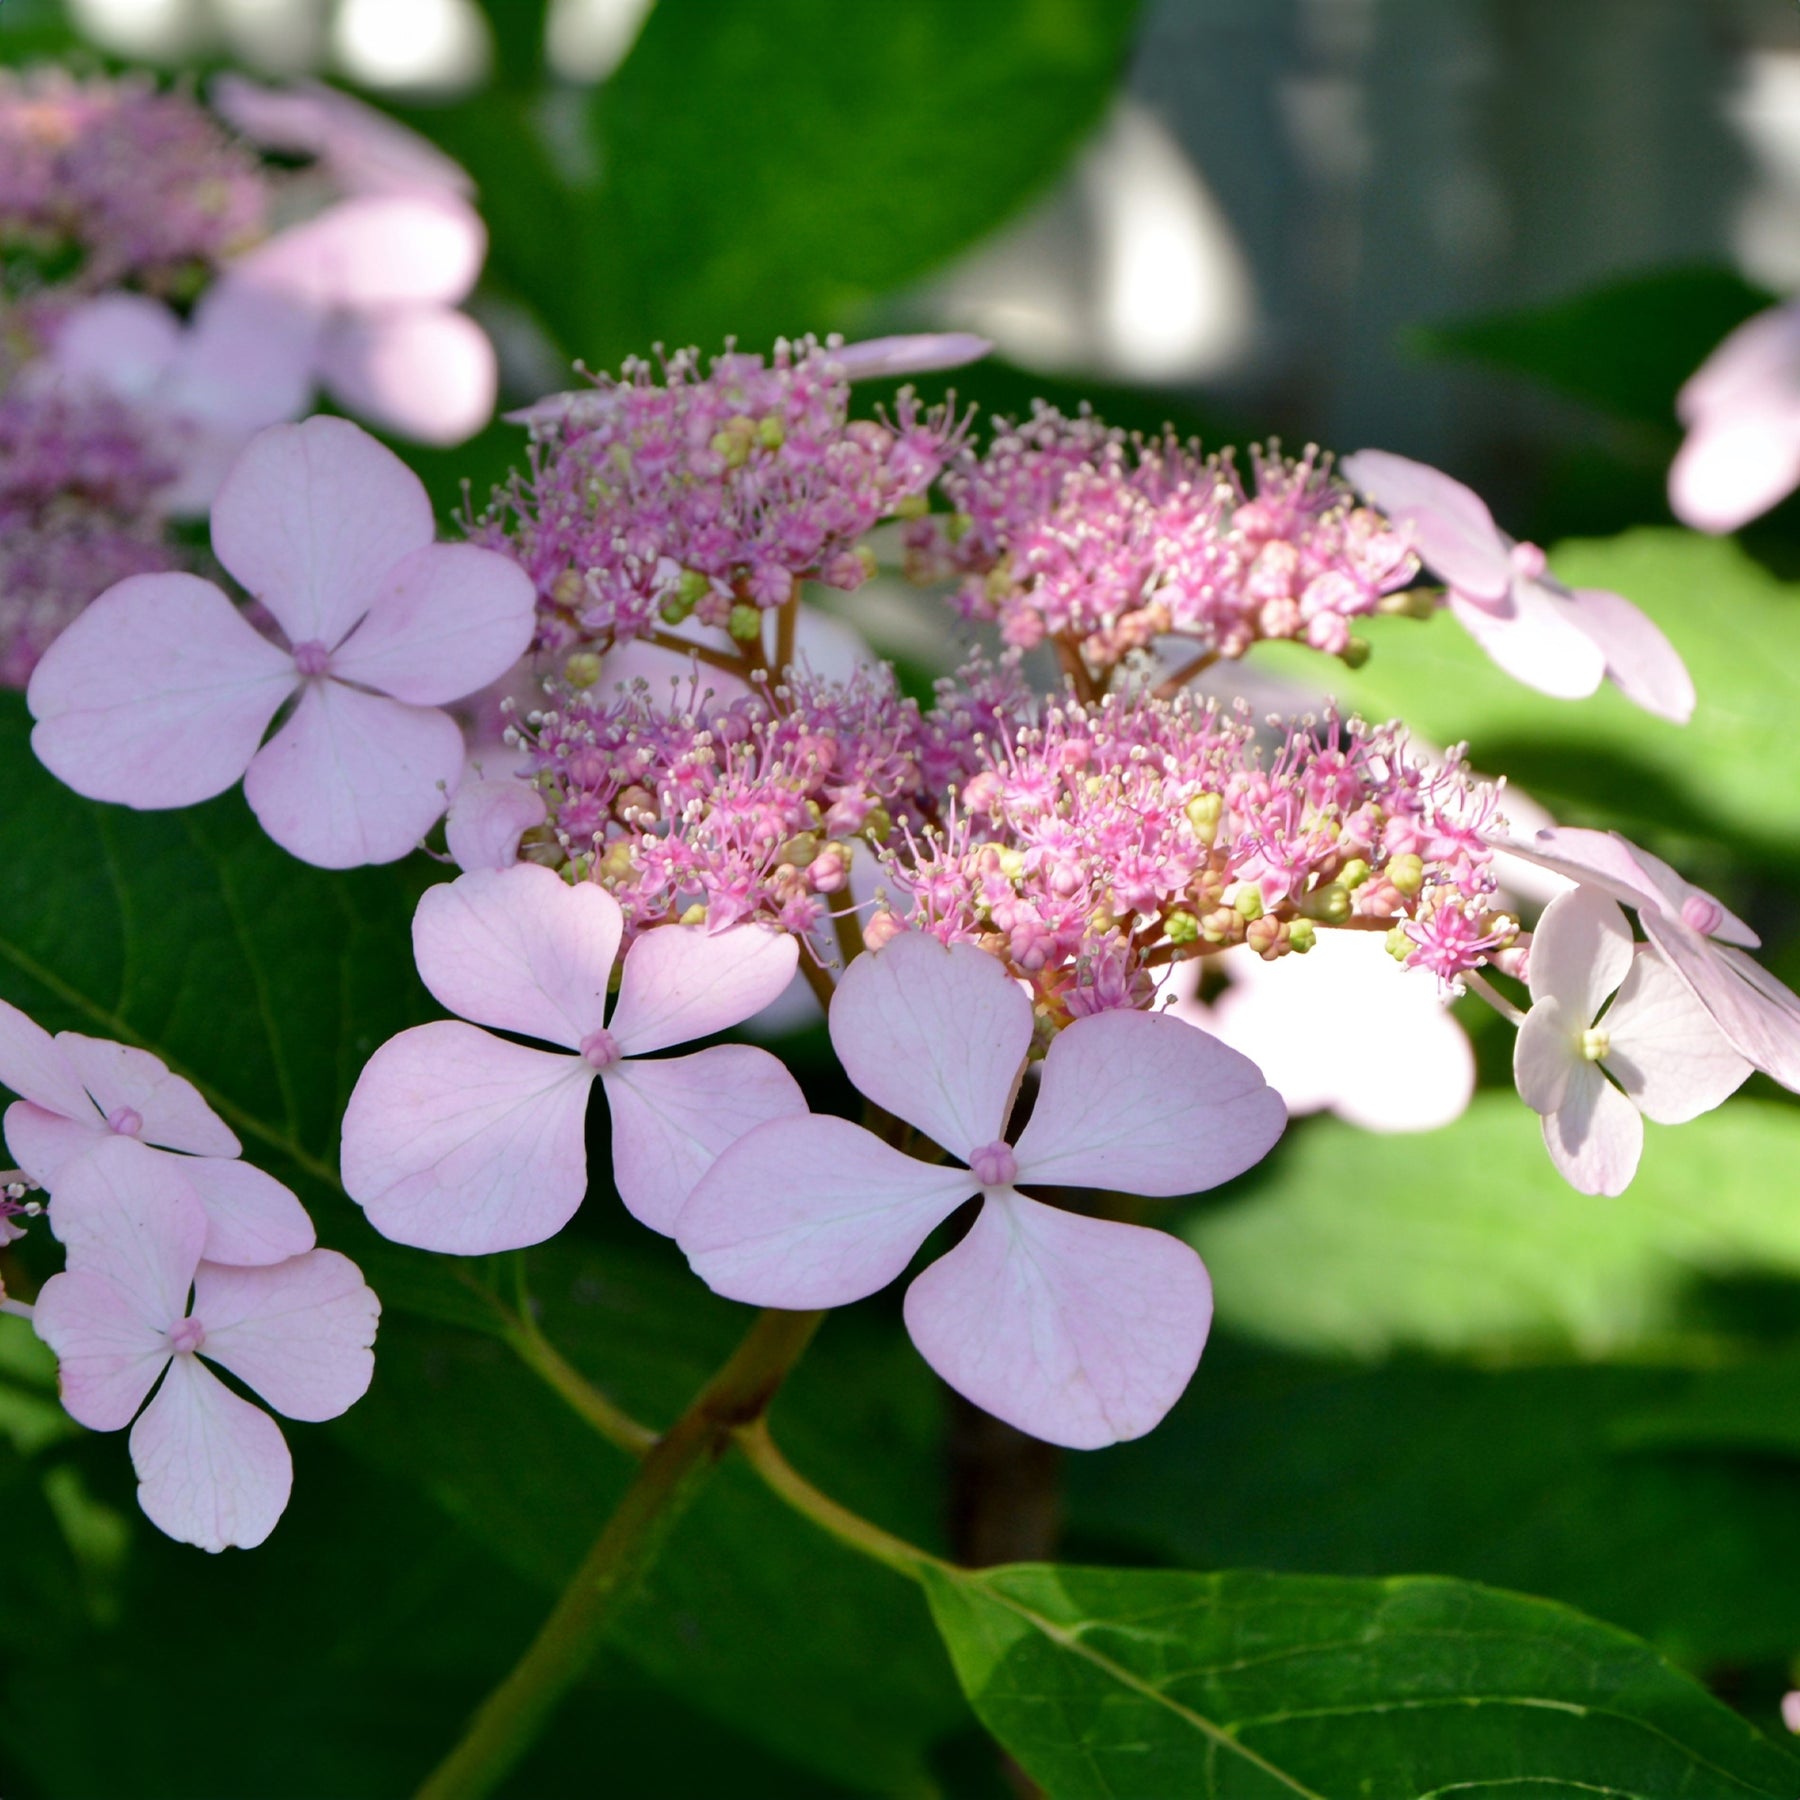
[{"x": 1496, "y": 234}]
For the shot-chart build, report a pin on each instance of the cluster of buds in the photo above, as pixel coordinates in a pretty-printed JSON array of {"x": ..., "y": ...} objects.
[
  {"x": 1117, "y": 836},
  {"x": 680, "y": 492},
  {"x": 1066, "y": 531}
]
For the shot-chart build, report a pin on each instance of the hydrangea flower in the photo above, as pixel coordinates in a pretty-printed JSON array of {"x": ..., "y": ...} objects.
[
  {"x": 213, "y": 1470},
  {"x": 458, "y": 1140},
  {"x": 1699, "y": 938},
  {"x": 76, "y": 1093},
  {"x": 1741, "y": 408},
  {"x": 1333, "y": 1030},
  {"x": 1078, "y": 1330},
  {"x": 1669, "y": 1061},
  {"x": 159, "y": 695},
  {"x": 1562, "y": 641}
]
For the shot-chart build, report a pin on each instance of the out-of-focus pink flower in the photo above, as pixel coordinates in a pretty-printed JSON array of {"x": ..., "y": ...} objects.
[
  {"x": 213, "y": 1470},
  {"x": 77, "y": 1092},
  {"x": 461, "y": 1141},
  {"x": 1741, "y": 408},
  {"x": 160, "y": 693},
  {"x": 203, "y": 389},
  {"x": 1562, "y": 641},
  {"x": 1079, "y": 1330},
  {"x": 1670, "y": 1061},
  {"x": 1698, "y": 937},
  {"x": 1790, "y": 1711},
  {"x": 1339, "y": 1029}
]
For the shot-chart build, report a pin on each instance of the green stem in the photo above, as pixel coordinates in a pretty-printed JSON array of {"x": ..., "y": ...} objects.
[{"x": 673, "y": 1471}]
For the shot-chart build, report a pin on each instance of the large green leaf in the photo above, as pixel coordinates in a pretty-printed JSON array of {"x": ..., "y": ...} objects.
[
  {"x": 1658, "y": 1499},
  {"x": 1466, "y": 1239},
  {"x": 1113, "y": 1684},
  {"x": 1733, "y": 772}
]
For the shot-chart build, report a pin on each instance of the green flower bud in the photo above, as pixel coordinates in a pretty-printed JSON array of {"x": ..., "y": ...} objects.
[
  {"x": 771, "y": 433},
  {"x": 1355, "y": 653},
  {"x": 1330, "y": 904},
  {"x": 1398, "y": 945},
  {"x": 1182, "y": 927},
  {"x": 1301, "y": 937},
  {"x": 1353, "y": 874},
  {"x": 1247, "y": 902},
  {"x": 582, "y": 669},
  {"x": 913, "y": 506},
  {"x": 1406, "y": 873},
  {"x": 1204, "y": 812},
  {"x": 745, "y": 623}
]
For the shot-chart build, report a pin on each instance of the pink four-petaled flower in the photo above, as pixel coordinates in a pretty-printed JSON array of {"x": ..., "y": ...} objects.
[
  {"x": 76, "y": 1093},
  {"x": 460, "y": 1141},
  {"x": 1079, "y": 1330},
  {"x": 1563, "y": 641},
  {"x": 160, "y": 693},
  {"x": 213, "y": 1470},
  {"x": 1670, "y": 1061}
]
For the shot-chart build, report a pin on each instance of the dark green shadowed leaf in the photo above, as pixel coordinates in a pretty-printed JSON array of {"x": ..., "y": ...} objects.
[{"x": 1134, "y": 1685}]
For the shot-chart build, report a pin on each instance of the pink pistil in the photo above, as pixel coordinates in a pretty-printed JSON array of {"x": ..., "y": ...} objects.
[
  {"x": 1703, "y": 914},
  {"x": 186, "y": 1336},
  {"x": 127, "y": 1121},
  {"x": 1528, "y": 560},
  {"x": 599, "y": 1049},
  {"x": 311, "y": 657},
  {"x": 994, "y": 1165}
]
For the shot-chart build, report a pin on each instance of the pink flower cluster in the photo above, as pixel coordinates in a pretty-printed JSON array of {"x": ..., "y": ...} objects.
[
  {"x": 673, "y": 492},
  {"x": 178, "y": 1254},
  {"x": 1067, "y": 530},
  {"x": 1112, "y": 838}
]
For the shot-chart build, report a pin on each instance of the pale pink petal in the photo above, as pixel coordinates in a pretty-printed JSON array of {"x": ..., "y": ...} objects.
[
  {"x": 672, "y": 1119},
  {"x": 919, "y": 353},
  {"x": 1596, "y": 1136},
  {"x": 1143, "y": 1104},
  {"x": 812, "y": 1211},
  {"x": 1757, "y": 1014},
  {"x": 422, "y": 372},
  {"x": 298, "y": 1333},
  {"x": 1452, "y": 529},
  {"x": 123, "y": 343},
  {"x": 251, "y": 1218},
  {"x": 1547, "y": 1054},
  {"x": 108, "y": 1352},
  {"x": 213, "y": 1470},
  {"x": 157, "y": 695},
  {"x": 1680, "y": 898},
  {"x": 1734, "y": 466},
  {"x": 1079, "y": 1331},
  {"x": 488, "y": 817},
  {"x": 681, "y": 982},
  {"x": 354, "y": 778},
  {"x": 246, "y": 360},
  {"x": 36, "y": 1068},
  {"x": 173, "y": 1115},
  {"x": 520, "y": 949},
  {"x": 374, "y": 250},
  {"x": 1754, "y": 365},
  {"x": 1535, "y": 637},
  {"x": 1580, "y": 952},
  {"x": 1640, "y": 662},
  {"x": 312, "y": 518},
  {"x": 129, "y": 1214},
  {"x": 41, "y": 1142},
  {"x": 935, "y": 1036},
  {"x": 461, "y": 1142},
  {"x": 447, "y": 621},
  {"x": 1663, "y": 1048}
]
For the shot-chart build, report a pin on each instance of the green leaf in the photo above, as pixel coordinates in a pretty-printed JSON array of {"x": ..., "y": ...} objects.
[
  {"x": 1466, "y": 1239},
  {"x": 1661, "y": 1500},
  {"x": 1113, "y": 1684},
  {"x": 1733, "y": 772},
  {"x": 1625, "y": 347}
]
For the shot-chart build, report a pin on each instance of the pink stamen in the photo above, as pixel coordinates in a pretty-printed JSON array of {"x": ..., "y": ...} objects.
[
  {"x": 186, "y": 1336},
  {"x": 599, "y": 1048},
  {"x": 127, "y": 1121},
  {"x": 311, "y": 657}
]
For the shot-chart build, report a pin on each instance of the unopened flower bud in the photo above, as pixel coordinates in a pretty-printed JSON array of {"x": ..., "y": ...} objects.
[
  {"x": 568, "y": 588},
  {"x": 695, "y": 915},
  {"x": 582, "y": 669},
  {"x": 1247, "y": 901},
  {"x": 745, "y": 623},
  {"x": 634, "y": 802},
  {"x": 1182, "y": 927},
  {"x": 1406, "y": 873},
  {"x": 1222, "y": 926},
  {"x": 1353, "y": 874},
  {"x": 1264, "y": 937},
  {"x": 882, "y": 928},
  {"x": 1398, "y": 945},
  {"x": 830, "y": 869},
  {"x": 1414, "y": 603},
  {"x": 771, "y": 433},
  {"x": 1301, "y": 937},
  {"x": 1204, "y": 812},
  {"x": 877, "y": 823},
  {"x": 618, "y": 864},
  {"x": 1355, "y": 653},
  {"x": 1329, "y": 904}
]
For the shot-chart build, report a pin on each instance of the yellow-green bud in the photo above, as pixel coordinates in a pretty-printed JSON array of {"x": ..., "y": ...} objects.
[
  {"x": 957, "y": 527},
  {"x": 770, "y": 433},
  {"x": 568, "y": 588},
  {"x": 866, "y": 557},
  {"x": 1415, "y": 603},
  {"x": 695, "y": 915},
  {"x": 877, "y": 823},
  {"x": 1011, "y": 864},
  {"x": 1353, "y": 874},
  {"x": 1301, "y": 937},
  {"x": 1398, "y": 945},
  {"x": 1329, "y": 904},
  {"x": 745, "y": 623},
  {"x": 618, "y": 863},
  {"x": 1247, "y": 902},
  {"x": 1355, "y": 653},
  {"x": 582, "y": 669},
  {"x": 576, "y": 870},
  {"x": 1182, "y": 927},
  {"x": 799, "y": 850},
  {"x": 1406, "y": 873},
  {"x": 913, "y": 506},
  {"x": 1204, "y": 812}
]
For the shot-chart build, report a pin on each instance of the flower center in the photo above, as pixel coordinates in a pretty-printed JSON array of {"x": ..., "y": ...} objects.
[
  {"x": 311, "y": 657},
  {"x": 994, "y": 1165},
  {"x": 1703, "y": 914},
  {"x": 1528, "y": 560},
  {"x": 599, "y": 1049},
  {"x": 1595, "y": 1043},
  {"x": 186, "y": 1336},
  {"x": 127, "y": 1121}
]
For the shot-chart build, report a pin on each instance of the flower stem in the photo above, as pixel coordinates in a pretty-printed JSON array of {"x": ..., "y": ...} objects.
[{"x": 672, "y": 1472}]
